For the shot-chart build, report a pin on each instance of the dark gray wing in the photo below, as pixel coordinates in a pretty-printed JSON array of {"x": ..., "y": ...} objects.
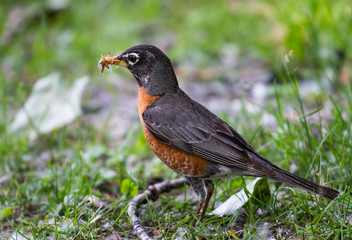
[{"x": 188, "y": 126}]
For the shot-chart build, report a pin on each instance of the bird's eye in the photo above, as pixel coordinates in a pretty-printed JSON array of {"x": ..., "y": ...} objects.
[{"x": 132, "y": 58}]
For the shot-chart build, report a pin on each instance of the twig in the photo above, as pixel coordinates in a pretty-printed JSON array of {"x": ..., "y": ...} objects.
[{"x": 152, "y": 193}]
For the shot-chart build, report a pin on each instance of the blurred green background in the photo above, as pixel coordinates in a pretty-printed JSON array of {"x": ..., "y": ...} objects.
[{"x": 38, "y": 37}]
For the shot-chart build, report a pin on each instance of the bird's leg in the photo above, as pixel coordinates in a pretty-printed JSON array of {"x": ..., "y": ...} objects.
[
  {"x": 203, "y": 190},
  {"x": 199, "y": 206},
  {"x": 209, "y": 188},
  {"x": 199, "y": 191}
]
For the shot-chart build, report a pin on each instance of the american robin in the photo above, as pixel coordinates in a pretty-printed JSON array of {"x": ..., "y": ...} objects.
[{"x": 189, "y": 138}]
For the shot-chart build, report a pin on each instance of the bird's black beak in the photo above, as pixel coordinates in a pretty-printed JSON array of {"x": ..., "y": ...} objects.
[{"x": 110, "y": 60}]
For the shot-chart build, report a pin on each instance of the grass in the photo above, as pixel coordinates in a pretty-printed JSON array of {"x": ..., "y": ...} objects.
[{"x": 75, "y": 182}]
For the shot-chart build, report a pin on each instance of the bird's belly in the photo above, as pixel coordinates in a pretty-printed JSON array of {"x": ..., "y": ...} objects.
[{"x": 181, "y": 162}]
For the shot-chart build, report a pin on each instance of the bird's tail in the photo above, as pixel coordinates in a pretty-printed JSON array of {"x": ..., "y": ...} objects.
[{"x": 297, "y": 181}]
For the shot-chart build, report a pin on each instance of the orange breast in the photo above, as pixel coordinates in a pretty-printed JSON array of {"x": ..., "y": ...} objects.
[{"x": 184, "y": 163}]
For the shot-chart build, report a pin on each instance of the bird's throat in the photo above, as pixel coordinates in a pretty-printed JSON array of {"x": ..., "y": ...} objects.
[{"x": 144, "y": 99}]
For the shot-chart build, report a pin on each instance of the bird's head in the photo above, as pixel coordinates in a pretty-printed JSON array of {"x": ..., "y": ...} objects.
[{"x": 149, "y": 65}]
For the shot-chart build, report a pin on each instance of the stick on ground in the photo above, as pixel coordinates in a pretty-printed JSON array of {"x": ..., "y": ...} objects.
[{"x": 152, "y": 193}]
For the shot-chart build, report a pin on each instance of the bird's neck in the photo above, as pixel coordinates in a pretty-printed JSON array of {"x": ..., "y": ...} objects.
[
  {"x": 144, "y": 99},
  {"x": 159, "y": 84}
]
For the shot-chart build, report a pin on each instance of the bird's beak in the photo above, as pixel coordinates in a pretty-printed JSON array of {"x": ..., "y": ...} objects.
[{"x": 110, "y": 60}]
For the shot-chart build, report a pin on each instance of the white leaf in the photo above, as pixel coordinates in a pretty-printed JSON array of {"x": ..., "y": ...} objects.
[
  {"x": 51, "y": 105},
  {"x": 237, "y": 201}
]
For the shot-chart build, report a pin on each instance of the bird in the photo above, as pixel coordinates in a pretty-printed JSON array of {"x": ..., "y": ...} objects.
[{"x": 189, "y": 138}]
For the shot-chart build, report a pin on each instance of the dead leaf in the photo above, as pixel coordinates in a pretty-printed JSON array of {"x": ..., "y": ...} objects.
[
  {"x": 52, "y": 104},
  {"x": 237, "y": 201}
]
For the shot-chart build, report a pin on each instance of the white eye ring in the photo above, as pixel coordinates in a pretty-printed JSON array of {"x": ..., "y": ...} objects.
[{"x": 132, "y": 58}]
